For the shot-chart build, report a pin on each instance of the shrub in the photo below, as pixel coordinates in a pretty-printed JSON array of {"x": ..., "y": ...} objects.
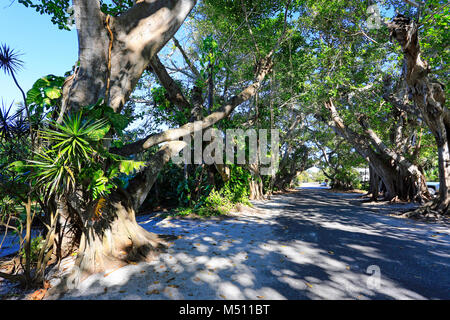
[{"x": 35, "y": 247}]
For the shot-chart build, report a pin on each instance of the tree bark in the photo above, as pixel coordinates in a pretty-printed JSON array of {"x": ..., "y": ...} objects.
[
  {"x": 255, "y": 183},
  {"x": 429, "y": 99},
  {"x": 374, "y": 184}
]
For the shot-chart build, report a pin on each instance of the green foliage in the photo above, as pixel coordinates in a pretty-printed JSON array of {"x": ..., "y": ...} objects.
[
  {"x": 216, "y": 203},
  {"x": 116, "y": 7},
  {"x": 184, "y": 192},
  {"x": 44, "y": 94},
  {"x": 172, "y": 114},
  {"x": 12, "y": 211},
  {"x": 75, "y": 159},
  {"x": 36, "y": 246},
  {"x": 318, "y": 176},
  {"x": 432, "y": 175},
  {"x": 210, "y": 60},
  {"x": 303, "y": 177},
  {"x": 71, "y": 147},
  {"x": 57, "y": 9},
  {"x": 60, "y": 10},
  {"x": 346, "y": 179},
  {"x": 100, "y": 110},
  {"x": 236, "y": 189},
  {"x": 130, "y": 166}
]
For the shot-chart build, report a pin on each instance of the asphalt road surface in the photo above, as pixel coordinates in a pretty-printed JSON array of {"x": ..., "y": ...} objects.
[{"x": 311, "y": 244}]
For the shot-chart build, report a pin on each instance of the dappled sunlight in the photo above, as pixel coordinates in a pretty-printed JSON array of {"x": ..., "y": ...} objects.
[{"x": 287, "y": 253}]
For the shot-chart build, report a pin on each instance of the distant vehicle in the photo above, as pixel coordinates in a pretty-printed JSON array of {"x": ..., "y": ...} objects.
[{"x": 433, "y": 187}]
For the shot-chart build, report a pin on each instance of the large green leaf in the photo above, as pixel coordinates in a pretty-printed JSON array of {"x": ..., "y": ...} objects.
[
  {"x": 128, "y": 166},
  {"x": 53, "y": 92},
  {"x": 45, "y": 90},
  {"x": 98, "y": 134}
]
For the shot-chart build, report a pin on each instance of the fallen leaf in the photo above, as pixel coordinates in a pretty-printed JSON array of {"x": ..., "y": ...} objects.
[
  {"x": 260, "y": 297},
  {"x": 155, "y": 291},
  {"x": 222, "y": 296},
  {"x": 197, "y": 279},
  {"x": 308, "y": 284},
  {"x": 47, "y": 284},
  {"x": 173, "y": 286},
  {"x": 38, "y": 294}
]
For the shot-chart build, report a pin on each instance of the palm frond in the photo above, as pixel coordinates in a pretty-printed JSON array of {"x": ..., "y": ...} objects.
[{"x": 9, "y": 60}]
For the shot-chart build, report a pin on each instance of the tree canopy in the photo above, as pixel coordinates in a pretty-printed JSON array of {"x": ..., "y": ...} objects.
[{"x": 338, "y": 85}]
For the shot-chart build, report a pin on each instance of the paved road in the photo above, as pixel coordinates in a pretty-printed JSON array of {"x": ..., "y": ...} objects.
[{"x": 311, "y": 244}]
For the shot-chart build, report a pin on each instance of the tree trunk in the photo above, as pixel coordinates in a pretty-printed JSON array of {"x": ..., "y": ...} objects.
[
  {"x": 115, "y": 238},
  {"x": 113, "y": 53},
  {"x": 374, "y": 184},
  {"x": 256, "y": 187},
  {"x": 402, "y": 179},
  {"x": 429, "y": 98}
]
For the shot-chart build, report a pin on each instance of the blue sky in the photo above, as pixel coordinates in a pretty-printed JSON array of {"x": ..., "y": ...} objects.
[{"x": 45, "y": 49}]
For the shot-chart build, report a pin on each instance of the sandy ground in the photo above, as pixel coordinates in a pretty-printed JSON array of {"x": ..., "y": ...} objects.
[
  {"x": 310, "y": 244},
  {"x": 305, "y": 245}
]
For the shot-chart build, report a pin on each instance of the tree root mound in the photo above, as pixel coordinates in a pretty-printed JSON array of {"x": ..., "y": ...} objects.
[{"x": 430, "y": 212}]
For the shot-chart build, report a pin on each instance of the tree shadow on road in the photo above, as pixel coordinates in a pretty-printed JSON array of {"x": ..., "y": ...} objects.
[{"x": 306, "y": 246}]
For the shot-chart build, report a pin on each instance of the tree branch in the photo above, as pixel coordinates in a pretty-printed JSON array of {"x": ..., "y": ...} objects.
[
  {"x": 139, "y": 34},
  {"x": 173, "y": 90},
  {"x": 141, "y": 184},
  {"x": 263, "y": 69},
  {"x": 186, "y": 58}
]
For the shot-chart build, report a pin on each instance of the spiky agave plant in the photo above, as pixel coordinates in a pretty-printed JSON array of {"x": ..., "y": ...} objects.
[
  {"x": 12, "y": 125},
  {"x": 6, "y": 122},
  {"x": 70, "y": 147}
]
